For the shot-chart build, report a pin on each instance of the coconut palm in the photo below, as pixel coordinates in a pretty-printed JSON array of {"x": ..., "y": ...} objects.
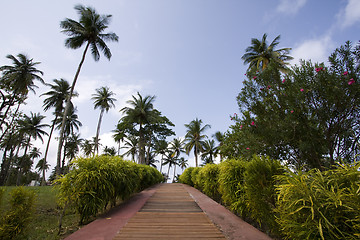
[
  {"x": 160, "y": 147},
  {"x": 88, "y": 147},
  {"x": 19, "y": 79},
  {"x": 259, "y": 55},
  {"x": 103, "y": 100},
  {"x": 209, "y": 151},
  {"x": 140, "y": 113},
  {"x": 72, "y": 146},
  {"x": 194, "y": 137},
  {"x": 220, "y": 138},
  {"x": 170, "y": 159},
  {"x": 131, "y": 143},
  {"x": 56, "y": 99},
  {"x": 183, "y": 163},
  {"x": 32, "y": 128},
  {"x": 119, "y": 135},
  {"x": 89, "y": 31},
  {"x": 177, "y": 146},
  {"x": 109, "y": 151}
]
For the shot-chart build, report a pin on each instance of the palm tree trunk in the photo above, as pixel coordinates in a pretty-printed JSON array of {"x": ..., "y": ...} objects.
[
  {"x": 11, "y": 123},
  {"x": 46, "y": 151},
  {"x": 161, "y": 162},
  {"x": 21, "y": 163},
  {"x": 196, "y": 156},
  {"x": 174, "y": 172},
  {"x": 141, "y": 146},
  {"x": 96, "y": 150},
  {"x": 66, "y": 111},
  {"x": 168, "y": 171}
]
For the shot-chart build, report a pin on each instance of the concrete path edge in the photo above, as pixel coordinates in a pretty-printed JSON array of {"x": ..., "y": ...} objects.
[
  {"x": 231, "y": 225},
  {"x": 108, "y": 225}
]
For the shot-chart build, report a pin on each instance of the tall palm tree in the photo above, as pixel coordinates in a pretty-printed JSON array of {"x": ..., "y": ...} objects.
[
  {"x": 89, "y": 31},
  {"x": 259, "y": 55},
  {"x": 19, "y": 79},
  {"x": 160, "y": 147},
  {"x": 32, "y": 128},
  {"x": 56, "y": 98},
  {"x": 119, "y": 135},
  {"x": 109, "y": 151},
  {"x": 210, "y": 151},
  {"x": 72, "y": 146},
  {"x": 140, "y": 113},
  {"x": 194, "y": 137},
  {"x": 170, "y": 159},
  {"x": 183, "y": 163},
  {"x": 103, "y": 100},
  {"x": 177, "y": 146},
  {"x": 131, "y": 143},
  {"x": 88, "y": 147},
  {"x": 220, "y": 138},
  {"x": 71, "y": 123}
]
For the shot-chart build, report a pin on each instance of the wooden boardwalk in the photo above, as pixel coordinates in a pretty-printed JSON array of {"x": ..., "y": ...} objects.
[{"x": 171, "y": 213}]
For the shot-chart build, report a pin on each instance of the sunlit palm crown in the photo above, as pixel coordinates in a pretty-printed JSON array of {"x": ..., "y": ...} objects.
[
  {"x": 194, "y": 135},
  {"x": 89, "y": 30},
  {"x": 102, "y": 98},
  {"x": 259, "y": 55}
]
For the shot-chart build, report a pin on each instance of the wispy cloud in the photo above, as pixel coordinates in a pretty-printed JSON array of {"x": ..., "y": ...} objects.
[
  {"x": 317, "y": 49},
  {"x": 290, "y": 6},
  {"x": 350, "y": 15}
]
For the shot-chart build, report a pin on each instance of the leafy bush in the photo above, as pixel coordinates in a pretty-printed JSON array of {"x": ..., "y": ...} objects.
[
  {"x": 260, "y": 191},
  {"x": 95, "y": 182},
  {"x": 185, "y": 177},
  {"x": 320, "y": 205},
  {"x": 14, "y": 222},
  {"x": 195, "y": 179},
  {"x": 208, "y": 177},
  {"x": 231, "y": 185}
]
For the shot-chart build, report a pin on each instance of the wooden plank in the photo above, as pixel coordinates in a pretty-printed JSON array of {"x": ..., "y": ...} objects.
[{"x": 170, "y": 213}]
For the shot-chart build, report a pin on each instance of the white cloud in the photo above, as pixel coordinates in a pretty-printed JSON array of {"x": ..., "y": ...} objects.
[
  {"x": 290, "y": 6},
  {"x": 350, "y": 15},
  {"x": 316, "y": 50}
]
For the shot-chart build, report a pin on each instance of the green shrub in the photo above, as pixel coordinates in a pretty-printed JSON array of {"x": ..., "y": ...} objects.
[
  {"x": 231, "y": 185},
  {"x": 185, "y": 177},
  {"x": 208, "y": 178},
  {"x": 95, "y": 182},
  {"x": 320, "y": 205},
  {"x": 194, "y": 177},
  {"x": 14, "y": 222},
  {"x": 260, "y": 191}
]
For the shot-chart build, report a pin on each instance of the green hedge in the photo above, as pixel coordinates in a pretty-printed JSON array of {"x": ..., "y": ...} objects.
[
  {"x": 95, "y": 182},
  {"x": 13, "y": 223},
  {"x": 311, "y": 205},
  {"x": 320, "y": 205}
]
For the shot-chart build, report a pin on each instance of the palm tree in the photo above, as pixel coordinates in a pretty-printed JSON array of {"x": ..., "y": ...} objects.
[
  {"x": 209, "y": 151},
  {"x": 31, "y": 127},
  {"x": 19, "y": 79},
  {"x": 141, "y": 113},
  {"x": 119, "y": 135},
  {"x": 131, "y": 143},
  {"x": 259, "y": 55},
  {"x": 177, "y": 146},
  {"x": 56, "y": 99},
  {"x": 103, "y": 100},
  {"x": 220, "y": 138},
  {"x": 87, "y": 147},
  {"x": 183, "y": 163},
  {"x": 72, "y": 146},
  {"x": 89, "y": 30},
  {"x": 41, "y": 165},
  {"x": 109, "y": 151},
  {"x": 170, "y": 159},
  {"x": 194, "y": 137},
  {"x": 160, "y": 147},
  {"x": 71, "y": 123}
]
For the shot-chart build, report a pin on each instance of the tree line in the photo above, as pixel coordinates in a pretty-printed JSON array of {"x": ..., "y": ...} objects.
[{"x": 143, "y": 129}]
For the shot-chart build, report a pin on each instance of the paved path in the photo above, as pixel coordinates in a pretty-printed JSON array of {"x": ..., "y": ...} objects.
[{"x": 169, "y": 211}]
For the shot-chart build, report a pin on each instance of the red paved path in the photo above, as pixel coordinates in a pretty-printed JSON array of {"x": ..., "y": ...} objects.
[{"x": 107, "y": 226}]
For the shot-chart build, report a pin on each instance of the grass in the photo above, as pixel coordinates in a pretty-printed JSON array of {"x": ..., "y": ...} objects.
[{"x": 45, "y": 222}]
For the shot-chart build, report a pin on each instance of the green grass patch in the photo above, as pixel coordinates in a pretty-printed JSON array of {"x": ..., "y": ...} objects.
[{"x": 45, "y": 222}]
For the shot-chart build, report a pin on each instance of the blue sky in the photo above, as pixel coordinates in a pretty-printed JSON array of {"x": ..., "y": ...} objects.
[{"x": 185, "y": 52}]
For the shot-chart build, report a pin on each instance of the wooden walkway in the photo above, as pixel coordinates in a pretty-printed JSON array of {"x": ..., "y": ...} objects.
[{"x": 171, "y": 213}]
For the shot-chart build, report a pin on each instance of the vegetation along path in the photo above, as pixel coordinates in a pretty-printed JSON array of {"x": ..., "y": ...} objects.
[{"x": 170, "y": 211}]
